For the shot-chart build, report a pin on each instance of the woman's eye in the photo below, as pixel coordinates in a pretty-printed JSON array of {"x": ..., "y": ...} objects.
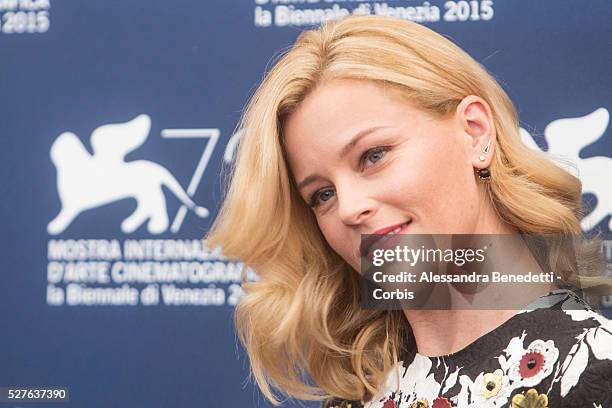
[
  {"x": 321, "y": 195},
  {"x": 374, "y": 155}
]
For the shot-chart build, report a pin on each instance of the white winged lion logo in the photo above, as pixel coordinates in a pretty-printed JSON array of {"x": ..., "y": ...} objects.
[
  {"x": 86, "y": 181},
  {"x": 565, "y": 138}
]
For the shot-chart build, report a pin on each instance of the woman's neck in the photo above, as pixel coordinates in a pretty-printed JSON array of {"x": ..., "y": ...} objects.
[{"x": 443, "y": 332}]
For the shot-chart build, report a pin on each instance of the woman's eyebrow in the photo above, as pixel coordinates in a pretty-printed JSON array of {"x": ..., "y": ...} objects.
[
  {"x": 345, "y": 150},
  {"x": 360, "y": 135}
]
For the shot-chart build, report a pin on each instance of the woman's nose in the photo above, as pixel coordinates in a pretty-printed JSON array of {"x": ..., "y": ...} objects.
[{"x": 354, "y": 207}]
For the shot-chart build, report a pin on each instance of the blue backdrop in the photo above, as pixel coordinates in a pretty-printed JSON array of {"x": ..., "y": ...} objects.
[{"x": 116, "y": 115}]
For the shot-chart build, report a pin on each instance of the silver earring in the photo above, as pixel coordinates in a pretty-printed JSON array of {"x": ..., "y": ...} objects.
[{"x": 485, "y": 151}]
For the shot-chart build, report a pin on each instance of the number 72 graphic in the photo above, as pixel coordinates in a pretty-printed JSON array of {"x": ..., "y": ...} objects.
[{"x": 213, "y": 135}]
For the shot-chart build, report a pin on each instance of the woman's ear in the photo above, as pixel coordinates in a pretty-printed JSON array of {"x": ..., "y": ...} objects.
[{"x": 475, "y": 118}]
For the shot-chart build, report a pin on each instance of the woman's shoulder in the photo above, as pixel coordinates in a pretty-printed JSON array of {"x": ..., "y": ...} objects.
[
  {"x": 560, "y": 314},
  {"x": 587, "y": 376},
  {"x": 583, "y": 376},
  {"x": 564, "y": 353}
]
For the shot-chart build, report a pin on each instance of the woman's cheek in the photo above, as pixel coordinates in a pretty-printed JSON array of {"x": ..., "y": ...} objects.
[{"x": 331, "y": 234}]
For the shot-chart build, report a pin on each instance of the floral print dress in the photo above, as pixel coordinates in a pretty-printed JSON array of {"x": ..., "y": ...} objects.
[{"x": 555, "y": 353}]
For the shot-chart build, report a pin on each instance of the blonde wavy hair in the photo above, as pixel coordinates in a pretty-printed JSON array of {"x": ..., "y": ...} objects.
[{"x": 300, "y": 323}]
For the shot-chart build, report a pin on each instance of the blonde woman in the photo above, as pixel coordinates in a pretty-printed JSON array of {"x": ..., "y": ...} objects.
[{"x": 369, "y": 125}]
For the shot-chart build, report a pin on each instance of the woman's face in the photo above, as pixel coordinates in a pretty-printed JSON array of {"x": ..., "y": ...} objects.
[{"x": 364, "y": 159}]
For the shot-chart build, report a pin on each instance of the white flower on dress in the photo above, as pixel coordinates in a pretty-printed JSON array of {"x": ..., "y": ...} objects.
[
  {"x": 471, "y": 395},
  {"x": 536, "y": 363},
  {"x": 414, "y": 382}
]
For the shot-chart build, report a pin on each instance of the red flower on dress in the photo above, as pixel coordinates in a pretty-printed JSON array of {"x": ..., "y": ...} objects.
[
  {"x": 531, "y": 364},
  {"x": 389, "y": 404},
  {"x": 441, "y": 402}
]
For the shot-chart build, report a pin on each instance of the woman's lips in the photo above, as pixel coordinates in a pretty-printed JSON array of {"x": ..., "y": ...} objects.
[
  {"x": 384, "y": 231},
  {"x": 386, "y": 241}
]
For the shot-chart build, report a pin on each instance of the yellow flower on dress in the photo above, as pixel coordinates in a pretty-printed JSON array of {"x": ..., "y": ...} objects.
[
  {"x": 422, "y": 403},
  {"x": 530, "y": 400},
  {"x": 491, "y": 384}
]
